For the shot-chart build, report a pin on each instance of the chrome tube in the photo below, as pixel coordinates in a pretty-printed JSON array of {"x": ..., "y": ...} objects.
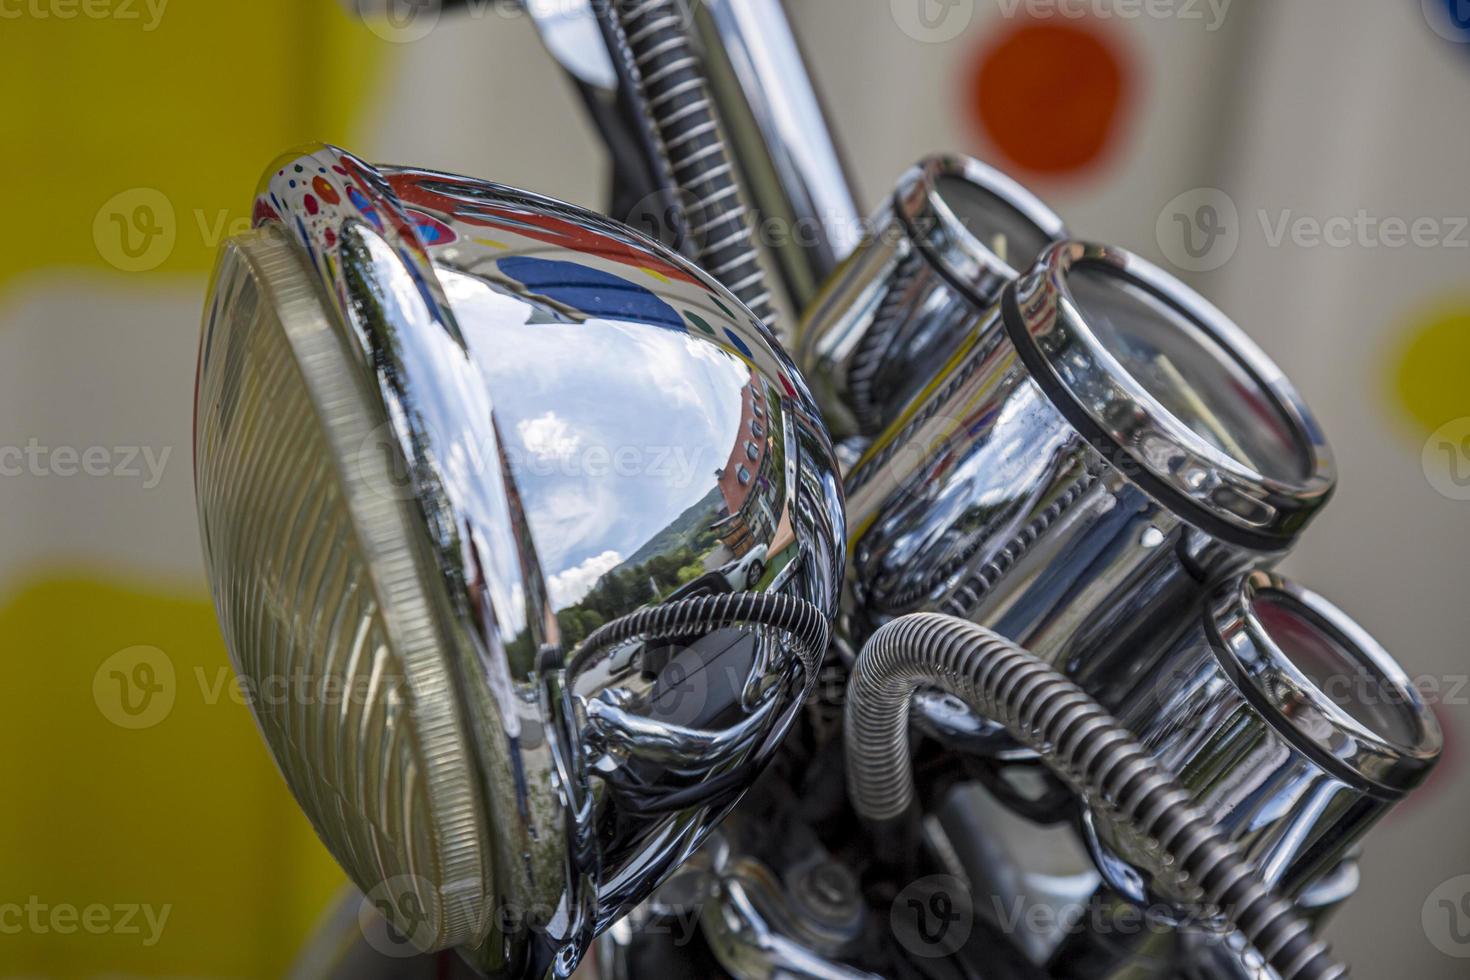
[
  {"x": 1104, "y": 447},
  {"x": 933, "y": 260},
  {"x": 1287, "y": 723},
  {"x": 651, "y": 42},
  {"x": 1191, "y": 860},
  {"x": 777, "y": 128},
  {"x": 1294, "y": 730}
]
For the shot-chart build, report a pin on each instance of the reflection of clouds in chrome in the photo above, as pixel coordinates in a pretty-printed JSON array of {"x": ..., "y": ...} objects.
[
  {"x": 565, "y": 518},
  {"x": 548, "y": 437},
  {"x": 651, "y": 412},
  {"x": 567, "y": 588}
]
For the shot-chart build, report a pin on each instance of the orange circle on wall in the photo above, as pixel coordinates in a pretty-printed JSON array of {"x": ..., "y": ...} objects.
[{"x": 1050, "y": 95}]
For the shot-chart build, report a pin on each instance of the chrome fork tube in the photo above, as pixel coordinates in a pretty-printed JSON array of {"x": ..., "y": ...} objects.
[{"x": 778, "y": 131}]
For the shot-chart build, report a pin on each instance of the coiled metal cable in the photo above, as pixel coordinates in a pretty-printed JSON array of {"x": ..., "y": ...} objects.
[
  {"x": 1080, "y": 742},
  {"x": 802, "y": 621},
  {"x": 676, "y": 98}
]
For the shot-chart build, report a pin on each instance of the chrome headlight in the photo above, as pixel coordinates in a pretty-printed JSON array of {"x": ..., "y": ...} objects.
[{"x": 444, "y": 430}]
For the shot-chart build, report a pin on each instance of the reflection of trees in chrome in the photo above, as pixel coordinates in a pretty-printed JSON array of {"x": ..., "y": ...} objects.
[
  {"x": 628, "y": 587},
  {"x": 678, "y": 559}
]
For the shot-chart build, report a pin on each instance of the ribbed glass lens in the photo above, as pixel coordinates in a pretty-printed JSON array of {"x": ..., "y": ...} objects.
[{"x": 316, "y": 592}]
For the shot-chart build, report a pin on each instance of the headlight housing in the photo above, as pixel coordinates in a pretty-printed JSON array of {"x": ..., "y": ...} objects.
[{"x": 444, "y": 430}]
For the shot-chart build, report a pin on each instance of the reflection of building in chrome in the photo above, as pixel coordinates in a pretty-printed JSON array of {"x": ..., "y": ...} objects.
[{"x": 748, "y": 519}]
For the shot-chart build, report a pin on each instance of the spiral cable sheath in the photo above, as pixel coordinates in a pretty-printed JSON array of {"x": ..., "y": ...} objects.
[
  {"x": 1080, "y": 742},
  {"x": 801, "y": 620},
  {"x": 676, "y": 96}
]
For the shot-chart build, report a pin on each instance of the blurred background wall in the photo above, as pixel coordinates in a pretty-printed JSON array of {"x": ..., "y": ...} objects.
[{"x": 1304, "y": 164}]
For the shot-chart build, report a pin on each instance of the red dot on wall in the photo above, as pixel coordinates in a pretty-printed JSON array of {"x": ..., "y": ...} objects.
[{"x": 1050, "y": 95}]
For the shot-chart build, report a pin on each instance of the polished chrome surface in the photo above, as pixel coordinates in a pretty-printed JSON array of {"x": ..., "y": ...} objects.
[
  {"x": 569, "y": 30},
  {"x": 459, "y": 427},
  {"x": 661, "y": 71},
  {"x": 1196, "y": 408},
  {"x": 446, "y": 431},
  {"x": 934, "y": 259},
  {"x": 1208, "y": 954},
  {"x": 757, "y": 932},
  {"x": 1286, "y": 721},
  {"x": 997, "y": 498},
  {"x": 1186, "y": 855},
  {"x": 808, "y": 215}
]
